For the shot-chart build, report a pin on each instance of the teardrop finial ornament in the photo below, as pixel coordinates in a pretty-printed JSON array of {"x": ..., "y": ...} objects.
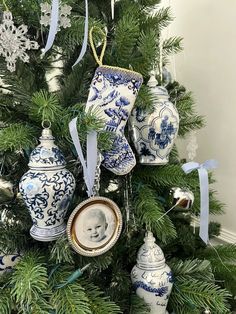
[
  {"x": 152, "y": 81},
  {"x": 150, "y": 254}
]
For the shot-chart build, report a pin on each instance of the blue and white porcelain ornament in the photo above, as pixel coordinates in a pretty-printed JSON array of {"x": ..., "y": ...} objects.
[
  {"x": 151, "y": 276},
  {"x": 7, "y": 262},
  {"x": 113, "y": 91},
  {"x": 153, "y": 134},
  {"x": 47, "y": 189}
]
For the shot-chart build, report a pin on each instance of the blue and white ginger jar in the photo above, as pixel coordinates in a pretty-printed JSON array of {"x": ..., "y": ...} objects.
[
  {"x": 153, "y": 134},
  {"x": 152, "y": 277},
  {"x": 47, "y": 189}
]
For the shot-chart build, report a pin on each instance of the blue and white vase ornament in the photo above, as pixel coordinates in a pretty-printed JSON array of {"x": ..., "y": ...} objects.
[
  {"x": 153, "y": 134},
  {"x": 7, "y": 262},
  {"x": 113, "y": 93},
  {"x": 47, "y": 189},
  {"x": 151, "y": 276}
]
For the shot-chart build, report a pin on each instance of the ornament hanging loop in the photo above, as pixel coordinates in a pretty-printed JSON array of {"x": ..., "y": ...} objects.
[
  {"x": 46, "y": 124},
  {"x": 104, "y": 41}
]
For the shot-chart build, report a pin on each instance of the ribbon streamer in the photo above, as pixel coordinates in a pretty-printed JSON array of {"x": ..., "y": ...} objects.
[
  {"x": 204, "y": 191},
  {"x": 112, "y": 9},
  {"x": 85, "y": 41},
  {"x": 90, "y": 168},
  {"x": 53, "y": 25}
]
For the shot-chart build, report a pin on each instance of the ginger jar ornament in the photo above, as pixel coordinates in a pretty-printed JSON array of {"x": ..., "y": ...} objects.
[
  {"x": 153, "y": 134},
  {"x": 47, "y": 189},
  {"x": 151, "y": 276}
]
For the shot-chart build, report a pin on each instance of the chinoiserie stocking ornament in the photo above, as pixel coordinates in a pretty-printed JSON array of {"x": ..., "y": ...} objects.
[
  {"x": 47, "y": 189},
  {"x": 152, "y": 277},
  {"x": 114, "y": 91},
  {"x": 154, "y": 133}
]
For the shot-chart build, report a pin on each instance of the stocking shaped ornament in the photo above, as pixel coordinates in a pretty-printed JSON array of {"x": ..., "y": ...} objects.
[{"x": 114, "y": 90}]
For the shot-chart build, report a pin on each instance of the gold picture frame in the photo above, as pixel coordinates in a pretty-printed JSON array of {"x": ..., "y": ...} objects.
[{"x": 94, "y": 226}]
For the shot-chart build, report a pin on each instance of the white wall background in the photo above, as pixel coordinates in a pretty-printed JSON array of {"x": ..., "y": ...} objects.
[{"x": 208, "y": 68}]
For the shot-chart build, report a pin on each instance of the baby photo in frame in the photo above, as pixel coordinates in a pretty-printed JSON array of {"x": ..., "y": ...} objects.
[{"x": 94, "y": 226}]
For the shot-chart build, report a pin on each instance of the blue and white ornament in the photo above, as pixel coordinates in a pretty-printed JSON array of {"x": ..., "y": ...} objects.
[
  {"x": 114, "y": 90},
  {"x": 151, "y": 277},
  {"x": 47, "y": 189},
  {"x": 7, "y": 262},
  {"x": 154, "y": 133}
]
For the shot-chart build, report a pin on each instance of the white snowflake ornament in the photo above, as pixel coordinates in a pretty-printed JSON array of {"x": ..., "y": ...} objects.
[
  {"x": 64, "y": 13},
  {"x": 13, "y": 42}
]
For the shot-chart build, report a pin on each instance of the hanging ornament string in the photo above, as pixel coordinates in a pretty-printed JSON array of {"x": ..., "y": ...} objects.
[
  {"x": 104, "y": 40},
  {"x": 85, "y": 41},
  {"x": 90, "y": 168},
  {"x": 53, "y": 26},
  {"x": 112, "y": 9},
  {"x": 160, "y": 57},
  {"x": 204, "y": 191}
]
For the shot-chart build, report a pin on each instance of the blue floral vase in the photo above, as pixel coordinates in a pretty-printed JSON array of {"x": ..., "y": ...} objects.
[
  {"x": 151, "y": 277},
  {"x": 47, "y": 189},
  {"x": 153, "y": 134}
]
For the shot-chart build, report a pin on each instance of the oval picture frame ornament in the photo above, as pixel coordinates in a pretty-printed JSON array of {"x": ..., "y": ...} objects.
[{"x": 94, "y": 226}]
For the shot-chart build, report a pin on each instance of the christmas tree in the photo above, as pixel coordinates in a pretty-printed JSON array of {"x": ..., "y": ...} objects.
[{"x": 50, "y": 277}]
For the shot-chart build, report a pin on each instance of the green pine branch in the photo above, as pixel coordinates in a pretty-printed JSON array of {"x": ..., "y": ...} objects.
[
  {"x": 5, "y": 301},
  {"x": 17, "y": 136},
  {"x": 30, "y": 284},
  {"x": 125, "y": 38},
  {"x": 99, "y": 303},
  {"x": 45, "y": 106},
  {"x": 149, "y": 212}
]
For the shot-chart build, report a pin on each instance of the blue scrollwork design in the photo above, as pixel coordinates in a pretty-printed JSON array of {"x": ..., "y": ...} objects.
[{"x": 159, "y": 292}]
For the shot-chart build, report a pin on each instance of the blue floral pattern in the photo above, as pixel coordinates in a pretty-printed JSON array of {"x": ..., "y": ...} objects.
[
  {"x": 162, "y": 139},
  {"x": 154, "y": 133},
  {"x": 47, "y": 156}
]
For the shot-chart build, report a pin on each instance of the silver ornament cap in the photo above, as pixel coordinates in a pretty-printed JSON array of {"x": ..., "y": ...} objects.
[{"x": 150, "y": 255}]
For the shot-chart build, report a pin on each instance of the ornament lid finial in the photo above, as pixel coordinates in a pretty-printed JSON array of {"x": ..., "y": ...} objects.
[
  {"x": 150, "y": 255},
  {"x": 158, "y": 91},
  {"x": 152, "y": 82}
]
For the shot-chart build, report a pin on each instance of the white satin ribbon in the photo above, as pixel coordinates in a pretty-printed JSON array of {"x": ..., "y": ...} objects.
[
  {"x": 89, "y": 168},
  {"x": 112, "y": 9},
  {"x": 85, "y": 41},
  {"x": 204, "y": 190},
  {"x": 53, "y": 25}
]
